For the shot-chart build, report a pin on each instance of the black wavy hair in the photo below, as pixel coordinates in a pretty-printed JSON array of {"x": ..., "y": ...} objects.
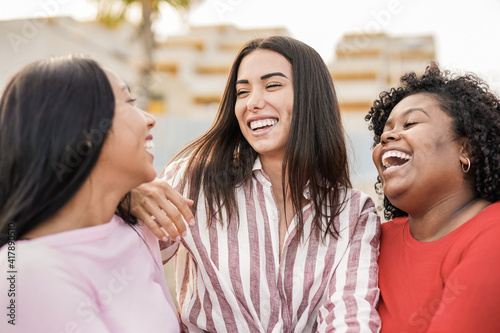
[
  {"x": 55, "y": 115},
  {"x": 475, "y": 113}
]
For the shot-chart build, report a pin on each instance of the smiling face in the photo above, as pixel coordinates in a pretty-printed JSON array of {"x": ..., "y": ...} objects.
[
  {"x": 126, "y": 151},
  {"x": 419, "y": 157},
  {"x": 264, "y": 103}
]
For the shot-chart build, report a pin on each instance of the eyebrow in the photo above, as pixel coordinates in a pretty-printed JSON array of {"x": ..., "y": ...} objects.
[
  {"x": 407, "y": 112},
  {"x": 413, "y": 110},
  {"x": 264, "y": 77},
  {"x": 125, "y": 87}
]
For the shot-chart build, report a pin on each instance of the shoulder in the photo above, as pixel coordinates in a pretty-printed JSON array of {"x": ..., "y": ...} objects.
[
  {"x": 394, "y": 226},
  {"x": 38, "y": 265},
  {"x": 147, "y": 235},
  {"x": 359, "y": 214},
  {"x": 130, "y": 236},
  {"x": 359, "y": 201},
  {"x": 474, "y": 247},
  {"x": 483, "y": 230},
  {"x": 397, "y": 223},
  {"x": 175, "y": 170},
  {"x": 48, "y": 288},
  {"x": 490, "y": 215}
]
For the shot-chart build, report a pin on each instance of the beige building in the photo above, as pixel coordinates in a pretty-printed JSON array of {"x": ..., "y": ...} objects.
[
  {"x": 191, "y": 74},
  {"x": 26, "y": 40},
  {"x": 364, "y": 66},
  {"x": 192, "y": 69}
]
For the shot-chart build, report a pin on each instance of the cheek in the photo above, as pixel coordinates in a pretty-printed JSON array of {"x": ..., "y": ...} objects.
[
  {"x": 289, "y": 102},
  {"x": 290, "y": 111},
  {"x": 376, "y": 155},
  {"x": 239, "y": 112},
  {"x": 283, "y": 103}
]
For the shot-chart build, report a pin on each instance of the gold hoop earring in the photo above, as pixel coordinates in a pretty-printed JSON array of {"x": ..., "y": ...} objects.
[{"x": 468, "y": 165}]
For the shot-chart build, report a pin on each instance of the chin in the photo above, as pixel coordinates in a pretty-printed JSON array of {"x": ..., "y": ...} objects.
[
  {"x": 151, "y": 176},
  {"x": 399, "y": 199},
  {"x": 146, "y": 176}
]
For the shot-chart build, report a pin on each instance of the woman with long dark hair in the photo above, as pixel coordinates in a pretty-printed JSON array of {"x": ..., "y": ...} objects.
[
  {"x": 72, "y": 145},
  {"x": 280, "y": 240}
]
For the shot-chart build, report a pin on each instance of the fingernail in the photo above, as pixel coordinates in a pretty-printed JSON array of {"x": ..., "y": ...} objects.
[
  {"x": 165, "y": 239},
  {"x": 185, "y": 233},
  {"x": 177, "y": 239},
  {"x": 191, "y": 222}
]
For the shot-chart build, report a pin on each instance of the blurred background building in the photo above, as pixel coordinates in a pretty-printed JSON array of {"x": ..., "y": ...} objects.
[
  {"x": 189, "y": 73},
  {"x": 363, "y": 67},
  {"x": 186, "y": 72},
  {"x": 26, "y": 40},
  {"x": 366, "y": 64}
]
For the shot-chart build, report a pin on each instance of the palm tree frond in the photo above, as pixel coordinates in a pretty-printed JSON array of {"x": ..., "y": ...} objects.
[{"x": 178, "y": 3}]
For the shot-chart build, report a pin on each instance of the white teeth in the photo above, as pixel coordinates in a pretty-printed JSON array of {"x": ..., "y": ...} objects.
[
  {"x": 393, "y": 153},
  {"x": 149, "y": 145},
  {"x": 262, "y": 123}
]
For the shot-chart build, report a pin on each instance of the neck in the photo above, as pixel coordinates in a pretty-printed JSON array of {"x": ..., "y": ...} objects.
[
  {"x": 92, "y": 205},
  {"x": 273, "y": 167},
  {"x": 445, "y": 216}
]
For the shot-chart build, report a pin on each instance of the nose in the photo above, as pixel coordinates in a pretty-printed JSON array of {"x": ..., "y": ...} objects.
[
  {"x": 256, "y": 101},
  {"x": 150, "y": 120},
  {"x": 390, "y": 135}
]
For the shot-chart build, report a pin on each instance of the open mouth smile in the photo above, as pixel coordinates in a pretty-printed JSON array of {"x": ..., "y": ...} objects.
[
  {"x": 394, "y": 159},
  {"x": 259, "y": 125},
  {"x": 149, "y": 145}
]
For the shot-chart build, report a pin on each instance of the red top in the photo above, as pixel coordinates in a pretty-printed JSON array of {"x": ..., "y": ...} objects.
[{"x": 449, "y": 285}]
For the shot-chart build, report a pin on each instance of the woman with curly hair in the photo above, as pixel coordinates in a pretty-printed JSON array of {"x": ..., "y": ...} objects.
[{"x": 437, "y": 152}]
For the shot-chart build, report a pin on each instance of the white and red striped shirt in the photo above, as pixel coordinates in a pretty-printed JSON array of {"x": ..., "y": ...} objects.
[{"x": 231, "y": 278}]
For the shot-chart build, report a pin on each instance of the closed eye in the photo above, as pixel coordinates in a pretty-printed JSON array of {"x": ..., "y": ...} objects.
[
  {"x": 132, "y": 101},
  {"x": 241, "y": 92},
  {"x": 274, "y": 85},
  {"x": 410, "y": 124}
]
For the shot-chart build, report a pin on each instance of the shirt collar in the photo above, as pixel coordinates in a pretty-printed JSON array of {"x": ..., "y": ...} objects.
[
  {"x": 259, "y": 174},
  {"x": 263, "y": 178}
]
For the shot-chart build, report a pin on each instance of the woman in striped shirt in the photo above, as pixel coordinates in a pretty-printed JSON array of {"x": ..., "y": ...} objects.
[{"x": 280, "y": 243}]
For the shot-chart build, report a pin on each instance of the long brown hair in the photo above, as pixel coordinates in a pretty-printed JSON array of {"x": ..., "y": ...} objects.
[{"x": 315, "y": 153}]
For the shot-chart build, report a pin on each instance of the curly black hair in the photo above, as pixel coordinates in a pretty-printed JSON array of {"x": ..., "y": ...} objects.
[{"x": 476, "y": 117}]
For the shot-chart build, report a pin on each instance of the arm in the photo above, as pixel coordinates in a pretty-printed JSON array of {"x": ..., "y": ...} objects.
[
  {"x": 471, "y": 295},
  {"x": 353, "y": 292},
  {"x": 159, "y": 200}
]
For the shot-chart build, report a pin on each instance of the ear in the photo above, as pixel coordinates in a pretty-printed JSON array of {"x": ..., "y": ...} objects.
[{"x": 464, "y": 151}]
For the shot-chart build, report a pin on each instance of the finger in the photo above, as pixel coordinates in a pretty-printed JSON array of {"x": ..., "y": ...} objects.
[
  {"x": 164, "y": 221},
  {"x": 155, "y": 228},
  {"x": 175, "y": 216},
  {"x": 171, "y": 230},
  {"x": 181, "y": 205}
]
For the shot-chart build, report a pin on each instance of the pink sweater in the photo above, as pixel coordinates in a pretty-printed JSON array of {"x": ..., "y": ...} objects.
[{"x": 107, "y": 278}]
